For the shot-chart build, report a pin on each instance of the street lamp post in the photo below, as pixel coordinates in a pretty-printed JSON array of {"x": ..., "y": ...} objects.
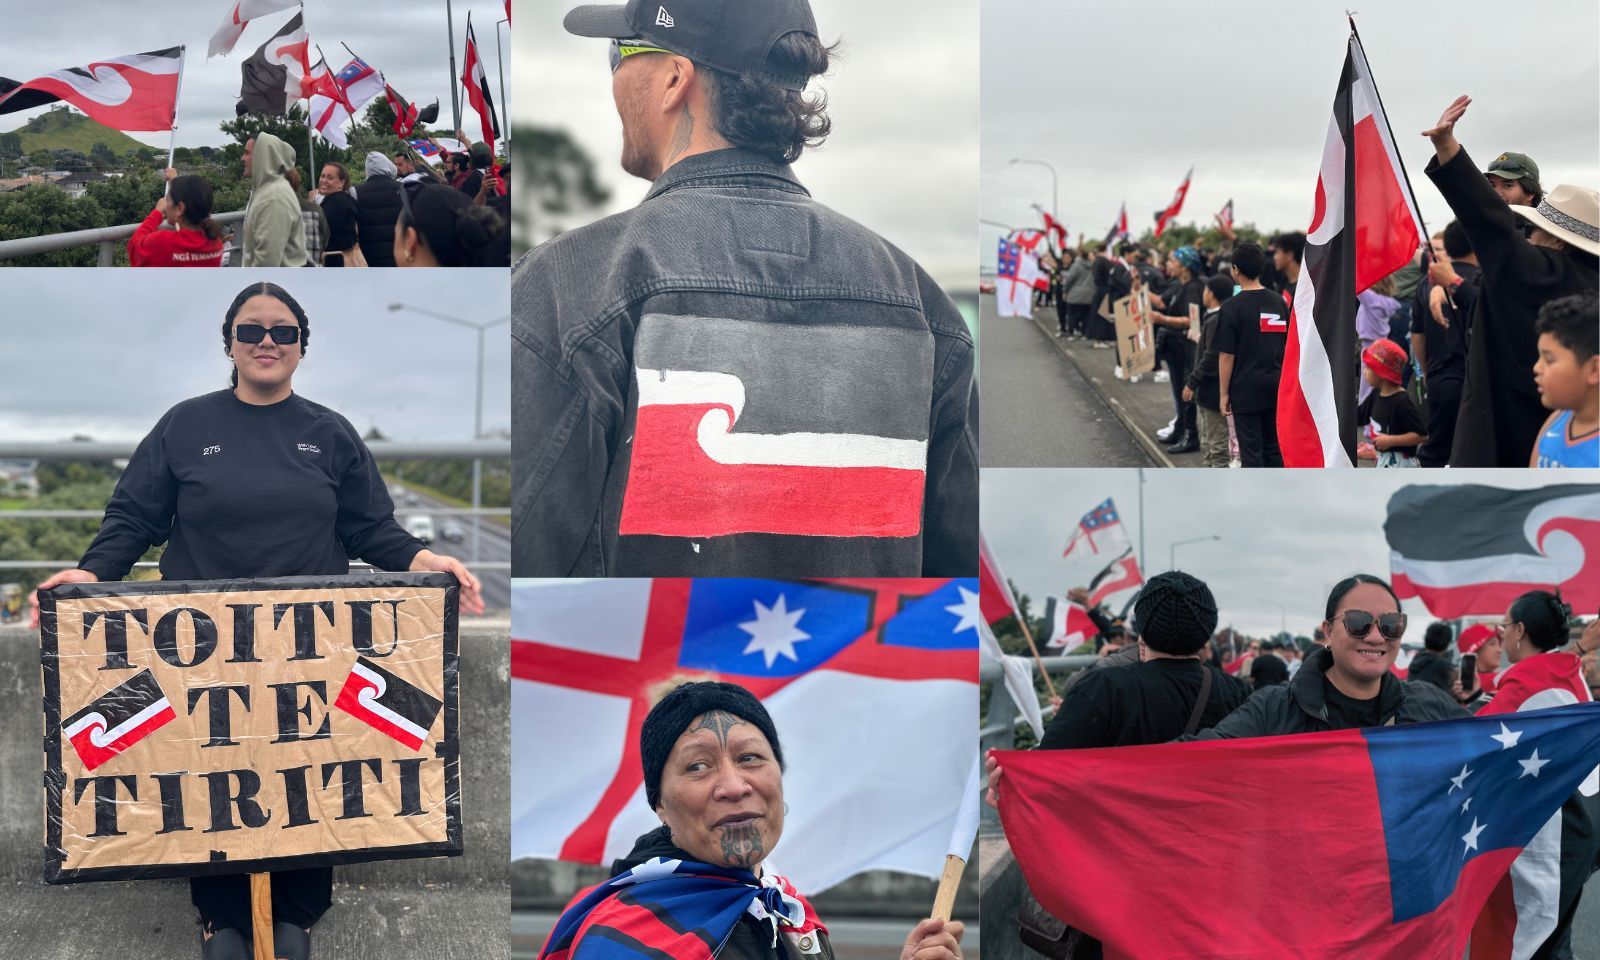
[
  {"x": 477, "y": 415},
  {"x": 1172, "y": 551},
  {"x": 1055, "y": 198}
]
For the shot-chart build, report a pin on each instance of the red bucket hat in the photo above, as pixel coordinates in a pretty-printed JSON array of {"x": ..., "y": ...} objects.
[{"x": 1386, "y": 359}]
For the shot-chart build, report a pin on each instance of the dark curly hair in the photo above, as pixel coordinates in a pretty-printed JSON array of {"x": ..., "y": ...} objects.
[
  {"x": 766, "y": 117},
  {"x": 1571, "y": 321},
  {"x": 263, "y": 288}
]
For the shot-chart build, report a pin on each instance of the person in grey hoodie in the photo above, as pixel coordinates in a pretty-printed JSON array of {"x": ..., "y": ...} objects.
[
  {"x": 273, "y": 234},
  {"x": 1077, "y": 289}
]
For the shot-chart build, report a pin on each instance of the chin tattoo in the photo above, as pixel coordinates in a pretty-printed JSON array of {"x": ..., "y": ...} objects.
[{"x": 742, "y": 845}]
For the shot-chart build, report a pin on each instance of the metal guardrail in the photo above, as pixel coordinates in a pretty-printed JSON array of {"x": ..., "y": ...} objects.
[
  {"x": 381, "y": 449},
  {"x": 106, "y": 237},
  {"x": 998, "y": 730}
]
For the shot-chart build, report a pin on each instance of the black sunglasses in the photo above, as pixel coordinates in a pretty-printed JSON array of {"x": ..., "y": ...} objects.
[
  {"x": 1358, "y": 623},
  {"x": 255, "y": 333}
]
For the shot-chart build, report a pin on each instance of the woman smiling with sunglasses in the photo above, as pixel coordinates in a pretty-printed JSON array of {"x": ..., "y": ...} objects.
[
  {"x": 256, "y": 481},
  {"x": 1348, "y": 682}
]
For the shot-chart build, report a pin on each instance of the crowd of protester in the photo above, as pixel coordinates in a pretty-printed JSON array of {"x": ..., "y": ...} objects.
[
  {"x": 404, "y": 213},
  {"x": 1482, "y": 351}
]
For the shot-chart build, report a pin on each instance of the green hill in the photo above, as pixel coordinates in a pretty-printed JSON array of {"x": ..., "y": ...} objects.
[{"x": 66, "y": 129}]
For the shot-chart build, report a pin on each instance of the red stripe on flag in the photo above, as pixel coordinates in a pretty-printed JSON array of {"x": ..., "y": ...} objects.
[{"x": 1297, "y": 430}]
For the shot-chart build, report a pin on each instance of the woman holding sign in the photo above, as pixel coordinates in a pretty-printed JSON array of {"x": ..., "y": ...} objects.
[{"x": 256, "y": 481}]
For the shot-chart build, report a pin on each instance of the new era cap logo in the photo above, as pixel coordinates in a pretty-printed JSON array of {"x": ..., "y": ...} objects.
[{"x": 663, "y": 18}]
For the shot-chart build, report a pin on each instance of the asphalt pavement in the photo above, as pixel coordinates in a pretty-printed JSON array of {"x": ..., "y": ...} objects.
[
  {"x": 1038, "y": 409},
  {"x": 494, "y": 546}
]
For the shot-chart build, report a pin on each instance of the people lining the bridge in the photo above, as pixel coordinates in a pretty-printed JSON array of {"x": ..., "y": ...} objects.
[
  {"x": 713, "y": 774},
  {"x": 288, "y": 489},
  {"x": 179, "y": 231}
]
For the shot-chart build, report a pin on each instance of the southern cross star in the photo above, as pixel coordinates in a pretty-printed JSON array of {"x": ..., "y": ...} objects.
[
  {"x": 1531, "y": 766},
  {"x": 1471, "y": 838},
  {"x": 1459, "y": 781},
  {"x": 1508, "y": 738}
]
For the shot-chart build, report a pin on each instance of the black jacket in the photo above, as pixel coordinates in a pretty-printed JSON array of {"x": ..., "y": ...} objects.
[
  {"x": 685, "y": 374},
  {"x": 341, "y": 211},
  {"x": 1434, "y": 668},
  {"x": 1300, "y": 707},
  {"x": 751, "y": 939},
  {"x": 378, "y": 206},
  {"x": 1500, "y": 410}
]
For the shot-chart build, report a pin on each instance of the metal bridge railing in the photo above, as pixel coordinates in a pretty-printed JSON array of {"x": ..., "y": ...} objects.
[{"x": 106, "y": 238}]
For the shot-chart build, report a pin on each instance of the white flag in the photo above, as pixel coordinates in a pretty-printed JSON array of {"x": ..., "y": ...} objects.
[{"x": 240, "y": 13}]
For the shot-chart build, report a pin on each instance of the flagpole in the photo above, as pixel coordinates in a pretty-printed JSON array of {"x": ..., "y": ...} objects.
[
  {"x": 177, "y": 98},
  {"x": 455, "y": 101},
  {"x": 962, "y": 836},
  {"x": 500, "y": 64},
  {"x": 1027, "y": 635},
  {"x": 1403, "y": 174}
]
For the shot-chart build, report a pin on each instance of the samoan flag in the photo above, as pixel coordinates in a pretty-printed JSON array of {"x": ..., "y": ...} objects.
[
  {"x": 1406, "y": 830},
  {"x": 674, "y": 908},
  {"x": 828, "y": 659}
]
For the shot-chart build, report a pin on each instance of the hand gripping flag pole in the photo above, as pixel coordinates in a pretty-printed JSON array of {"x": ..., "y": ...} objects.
[{"x": 962, "y": 836}]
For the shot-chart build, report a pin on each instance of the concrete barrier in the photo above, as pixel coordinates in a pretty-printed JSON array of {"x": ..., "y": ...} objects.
[{"x": 454, "y": 908}]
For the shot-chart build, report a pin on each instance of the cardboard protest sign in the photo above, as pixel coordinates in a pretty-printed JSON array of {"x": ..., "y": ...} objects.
[
  {"x": 240, "y": 726},
  {"x": 1136, "y": 348}
]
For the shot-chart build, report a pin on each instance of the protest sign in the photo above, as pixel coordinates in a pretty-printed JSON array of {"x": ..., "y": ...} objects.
[
  {"x": 1136, "y": 351},
  {"x": 240, "y": 726}
]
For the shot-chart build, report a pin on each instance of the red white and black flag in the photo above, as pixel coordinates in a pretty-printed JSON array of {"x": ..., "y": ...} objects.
[
  {"x": 1470, "y": 550},
  {"x": 138, "y": 92},
  {"x": 405, "y": 114},
  {"x": 477, "y": 84},
  {"x": 1364, "y": 227},
  {"x": 279, "y": 72},
  {"x": 1119, "y": 229},
  {"x": 1226, "y": 214},
  {"x": 1119, "y": 575},
  {"x": 1053, "y": 227},
  {"x": 388, "y": 704},
  {"x": 241, "y": 12},
  {"x": 118, "y": 719},
  {"x": 1164, "y": 217},
  {"x": 1068, "y": 624}
]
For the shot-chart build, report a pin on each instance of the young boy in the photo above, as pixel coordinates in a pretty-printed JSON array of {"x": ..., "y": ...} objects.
[
  {"x": 1397, "y": 427},
  {"x": 1201, "y": 389},
  {"x": 1251, "y": 334},
  {"x": 1568, "y": 376}
]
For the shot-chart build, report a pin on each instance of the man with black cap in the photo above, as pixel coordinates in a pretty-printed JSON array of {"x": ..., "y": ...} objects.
[{"x": 730, "y": 378}]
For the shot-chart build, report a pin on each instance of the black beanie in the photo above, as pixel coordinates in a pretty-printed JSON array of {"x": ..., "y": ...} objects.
[
  {"x": 669, "y": 718},
  {"x": 1175, "y": 613}
]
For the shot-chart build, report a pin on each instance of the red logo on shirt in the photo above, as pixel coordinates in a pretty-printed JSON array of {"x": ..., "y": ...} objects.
[{"x": 1274, "y": 323}]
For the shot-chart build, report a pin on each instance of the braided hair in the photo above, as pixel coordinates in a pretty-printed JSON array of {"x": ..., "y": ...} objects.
[{"x": 263, "y": 288}]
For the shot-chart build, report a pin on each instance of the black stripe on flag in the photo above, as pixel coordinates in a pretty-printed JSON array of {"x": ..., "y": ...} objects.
[{"x": 1452, "y": 523}]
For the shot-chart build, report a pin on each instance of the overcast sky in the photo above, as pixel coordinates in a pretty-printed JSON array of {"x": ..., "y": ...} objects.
[
  {"x": 1123, "y": 98},
  {"x": 405, "y": 39},
  {"x": 1287, "y": 537},
  {"x": 108, "y": 358},
  {"x": 903, "y": 156}
]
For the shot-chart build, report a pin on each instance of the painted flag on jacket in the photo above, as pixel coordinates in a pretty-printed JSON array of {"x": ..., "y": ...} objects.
[
  {"x": 1364, "y": 226},
  {"x": 1069, "y": 624},
  {"x": 276, "y": 74},
  {"x": 1470, "y": 550},
  {"x": 240, "y": 13},
  {"x": 138, "y": 92},
  {"x": 1164, "y": 217},
  {"x": 1019, "y": 273},
  {"x": 477, "y": 84},
  {"x": 1119, "y": 229},
  {"x": 1099, "y": 531},
  {"x": 1226, "y": 214},
  {"x": 1430, "y": 817},
  {"x": 754, "y": 426},
  {"x": 863, "y": 672},
  {"x": 1524, "y": 908},
  {"x": 118, "y": 719},
  {"x": 358, "y": 82},
  {"x": 1119, "y": 575},
  {"x": 388, "y": 704}
]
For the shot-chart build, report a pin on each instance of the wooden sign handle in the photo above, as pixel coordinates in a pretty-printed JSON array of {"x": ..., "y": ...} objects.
[
  {"x": 945, "y": 899},
  {"x": 261, "y": 914}
]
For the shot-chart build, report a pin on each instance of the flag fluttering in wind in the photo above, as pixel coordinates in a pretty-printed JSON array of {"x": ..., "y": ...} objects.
[
  {"x": 1119, "y": 575},
  {"x": 1053, "y": 227},
  {"x": 240, "y": 13},
  {"x": 278, "y": 73},
  {"x": 477, "y": 84},
  {"x": 138, "y": 92},
  {"x": 1119, "y": 229},
  {"x": 1069, "y": 624},
  {"x": 1099, "y": 531},
  {"x": 357, "y": 83},
  {"x": 1164, "y": 217},
  {"x": 1226, "y": 214},
  {"x": 1018, "y": 273},
  {"x": 1365, "y": 226}
]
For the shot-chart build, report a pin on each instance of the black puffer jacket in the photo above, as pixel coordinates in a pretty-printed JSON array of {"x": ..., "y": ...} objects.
[
  {"x": 751, "y": 939},
  {"x": 1435, "y": 668},
  {"x": 1299, "y": 706},
  {"x": 378, "y": 207}
]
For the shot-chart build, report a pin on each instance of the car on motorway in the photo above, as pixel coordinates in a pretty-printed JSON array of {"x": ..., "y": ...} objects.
[
  {"x": 421, "y": 527},
  {"x": 453, "y": 531}
]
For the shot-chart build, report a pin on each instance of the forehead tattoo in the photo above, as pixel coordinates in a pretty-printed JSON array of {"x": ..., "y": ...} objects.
[{"x": 719, "y": 722}]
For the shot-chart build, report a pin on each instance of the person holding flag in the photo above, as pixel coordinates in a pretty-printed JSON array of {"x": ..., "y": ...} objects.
[
  {"x": 1501, "y": 413},
  {"x": 698, "y": 886}
]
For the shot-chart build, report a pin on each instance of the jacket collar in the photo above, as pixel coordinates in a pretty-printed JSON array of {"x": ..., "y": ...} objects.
[
  {"x": 1306, "y": 687},
  {"x": 731, "y": 163}
]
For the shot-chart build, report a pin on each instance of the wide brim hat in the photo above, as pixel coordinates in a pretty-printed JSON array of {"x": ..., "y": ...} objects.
[{"x": 1569, "y": 212}]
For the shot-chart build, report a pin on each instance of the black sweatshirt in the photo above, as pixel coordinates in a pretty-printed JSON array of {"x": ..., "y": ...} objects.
[{"x": 241, "y": 490}]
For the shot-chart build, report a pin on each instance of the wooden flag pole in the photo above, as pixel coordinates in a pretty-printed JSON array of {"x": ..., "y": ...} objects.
[
  {"x": 261, "y": 914},
  {"x": 1028, "y": 636},
  {"x": 949, "y": 881}
]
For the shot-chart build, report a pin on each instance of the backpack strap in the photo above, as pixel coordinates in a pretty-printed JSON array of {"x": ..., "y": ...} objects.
[{"x": 1200, "y": 702}]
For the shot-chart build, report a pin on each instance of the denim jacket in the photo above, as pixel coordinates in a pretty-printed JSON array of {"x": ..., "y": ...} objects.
[{"x": 731, "y": 379}]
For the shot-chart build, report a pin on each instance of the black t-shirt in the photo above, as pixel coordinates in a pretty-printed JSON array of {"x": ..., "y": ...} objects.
[
  {"x": 1446, "y": 347},
  {"x": 1145, "y": 702},
  {"x": 1348, "y": 713},
  {"x": 1254, "y": 327},
  {"x": 1392, "y": 415},
  {"x": 240, "y": 490}
]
